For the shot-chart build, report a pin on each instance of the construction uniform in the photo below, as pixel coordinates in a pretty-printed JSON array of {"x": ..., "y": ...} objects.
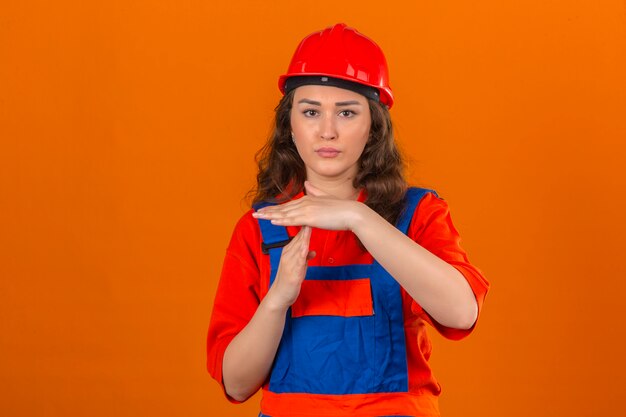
[{"x": 354, "y": 342}]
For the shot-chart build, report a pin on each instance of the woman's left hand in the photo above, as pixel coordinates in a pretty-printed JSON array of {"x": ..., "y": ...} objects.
[{"x": 316, "y": 209}]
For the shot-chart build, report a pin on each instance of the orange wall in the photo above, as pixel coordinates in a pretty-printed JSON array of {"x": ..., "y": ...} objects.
[{"x": 128, "y": 131}]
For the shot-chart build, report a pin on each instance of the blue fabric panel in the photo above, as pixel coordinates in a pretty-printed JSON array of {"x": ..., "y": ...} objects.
[
  {"x": 274, "y": 262},
  {"x": 344, "y": 355},
  {"x": 392, "y": 370},
  {"x": 326, "y": 355},
  {"x": 393, "y": 373},
  {"x": 413, "y": 196},
  {"x": 340, "y": 273},
  {"x": 271, "y": 234}
]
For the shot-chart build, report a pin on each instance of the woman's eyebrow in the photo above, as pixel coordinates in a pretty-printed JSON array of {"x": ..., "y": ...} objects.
[
  {"x": 307, "y": 101},
  {"x": 347, "y": 103},
  {"x": 339, "y": 103}
]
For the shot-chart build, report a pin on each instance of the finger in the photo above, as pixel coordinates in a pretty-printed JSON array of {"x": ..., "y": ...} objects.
[
  {"x": 306, "y": 239},
  {"x": 293, "y": 216},
  {"x": 279, "y": 207},
  {"x": 299, "y": 245},
  {"x": 298, "y": 241},
  {"x": 295, "y": 241},
  {"x": 281, "y": 211},
  {"x": 270, "y": 213},
  {"x": 264, "y": 213},
  {"x": 289, "y": 221}
]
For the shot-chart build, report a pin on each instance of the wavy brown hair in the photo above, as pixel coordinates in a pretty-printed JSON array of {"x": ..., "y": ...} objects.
[{"x": 381, "y": 166}]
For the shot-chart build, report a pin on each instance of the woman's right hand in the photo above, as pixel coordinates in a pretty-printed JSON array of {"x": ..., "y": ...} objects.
[
  {"x": 249, "y": 357},
  {"x": 291, "y": 271}
]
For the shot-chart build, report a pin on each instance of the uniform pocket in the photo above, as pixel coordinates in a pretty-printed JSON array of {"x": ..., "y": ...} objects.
[{"x": 344, "y": 298}]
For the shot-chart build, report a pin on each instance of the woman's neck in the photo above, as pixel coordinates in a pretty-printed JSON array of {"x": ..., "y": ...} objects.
[{"x": 340, "y": 188}]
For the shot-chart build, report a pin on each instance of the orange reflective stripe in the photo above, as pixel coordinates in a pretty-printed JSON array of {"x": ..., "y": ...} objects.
[{"x": 353, "y": 405}]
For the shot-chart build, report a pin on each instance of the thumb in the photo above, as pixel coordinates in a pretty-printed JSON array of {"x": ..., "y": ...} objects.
[{"x": 314, "y": 191}]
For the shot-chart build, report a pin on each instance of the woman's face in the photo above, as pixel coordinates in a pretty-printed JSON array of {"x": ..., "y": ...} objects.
[{"x": 330, "y": 128}]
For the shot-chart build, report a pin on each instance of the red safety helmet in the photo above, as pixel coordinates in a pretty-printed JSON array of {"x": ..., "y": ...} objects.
[{"x": 341, "y": 52}]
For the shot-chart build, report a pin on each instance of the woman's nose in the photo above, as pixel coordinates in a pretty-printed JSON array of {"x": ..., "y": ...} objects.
[{"x": 328, "y": 130}]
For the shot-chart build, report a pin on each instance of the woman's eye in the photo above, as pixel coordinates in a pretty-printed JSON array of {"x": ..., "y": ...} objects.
[
  {"x": 310, "y": 113},
  {"x": 347, "y": 113}
]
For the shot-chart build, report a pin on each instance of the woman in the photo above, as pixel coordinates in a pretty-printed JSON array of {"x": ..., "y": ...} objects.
[{"x": 328, "y": 282}]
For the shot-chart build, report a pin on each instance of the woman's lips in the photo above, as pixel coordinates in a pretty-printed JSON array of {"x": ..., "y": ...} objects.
[{"x": 327, "y": 152}]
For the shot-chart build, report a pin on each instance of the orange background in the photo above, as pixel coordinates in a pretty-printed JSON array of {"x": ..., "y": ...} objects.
[{"x": 128, "y": 131}]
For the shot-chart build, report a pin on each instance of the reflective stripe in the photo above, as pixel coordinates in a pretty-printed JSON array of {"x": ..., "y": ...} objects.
[{"x": 265, "y": 415}]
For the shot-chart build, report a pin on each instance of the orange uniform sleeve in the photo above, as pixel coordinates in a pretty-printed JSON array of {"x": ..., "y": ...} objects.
[
  {"x": 237, "y": 296},
  {"x": 432, "y": 228}
]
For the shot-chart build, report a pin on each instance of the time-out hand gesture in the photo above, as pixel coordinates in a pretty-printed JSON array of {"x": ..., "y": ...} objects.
[{"x": 316, "y": 209}]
